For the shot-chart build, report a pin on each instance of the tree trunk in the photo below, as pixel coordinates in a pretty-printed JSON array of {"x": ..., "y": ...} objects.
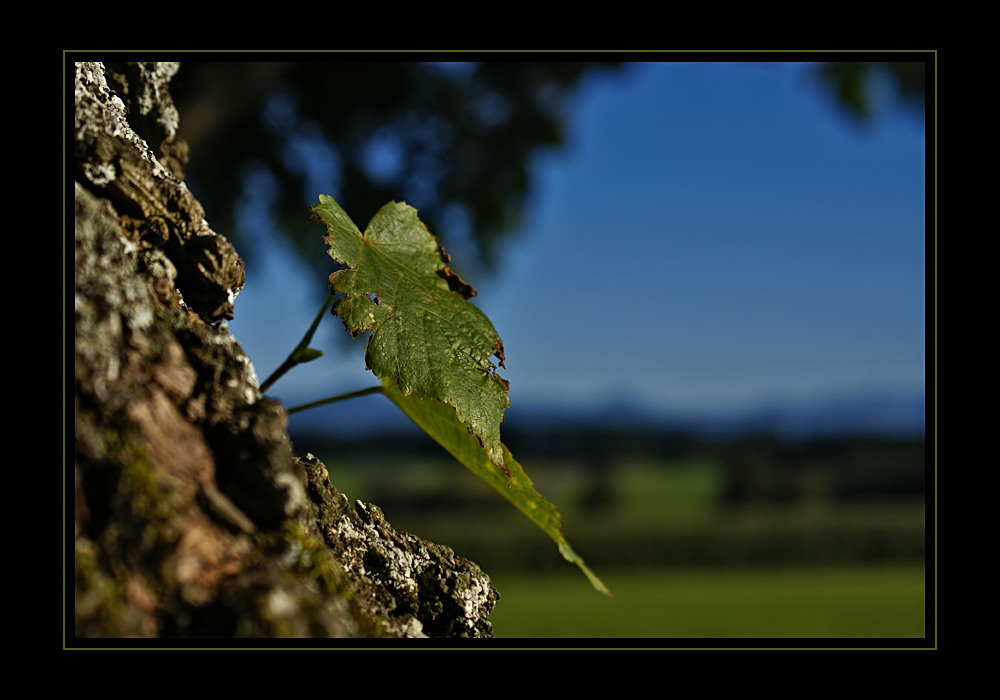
[{"x": 192, "y": 516}]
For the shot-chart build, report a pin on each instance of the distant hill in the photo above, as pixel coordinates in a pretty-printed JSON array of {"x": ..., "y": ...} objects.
[{"x": 874, "y": 413}]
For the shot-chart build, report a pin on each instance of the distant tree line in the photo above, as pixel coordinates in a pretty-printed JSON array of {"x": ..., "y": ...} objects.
[{"x": 755, "y": 469}]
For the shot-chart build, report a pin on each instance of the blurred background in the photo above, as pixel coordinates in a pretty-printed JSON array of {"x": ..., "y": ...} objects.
[{"x": 709, "y": 278}]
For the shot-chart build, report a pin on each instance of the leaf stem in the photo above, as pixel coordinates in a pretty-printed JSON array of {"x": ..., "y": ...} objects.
[
  {"x": 334, "y": 399},
  {"x": 295, "y": 357}
]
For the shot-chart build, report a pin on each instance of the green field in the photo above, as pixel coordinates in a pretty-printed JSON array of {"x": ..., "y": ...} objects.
[
  {"x": 681, "y": 567},
  {"x": 842, "y": 602}
]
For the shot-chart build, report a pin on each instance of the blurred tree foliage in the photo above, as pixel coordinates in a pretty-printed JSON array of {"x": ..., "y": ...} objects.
[
  {"x": 453, "y": 140},
  {"x": 858, "y": 85}
]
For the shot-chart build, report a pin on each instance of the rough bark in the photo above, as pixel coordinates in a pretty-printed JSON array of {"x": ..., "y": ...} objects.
[{"x": 192, "y": 516}]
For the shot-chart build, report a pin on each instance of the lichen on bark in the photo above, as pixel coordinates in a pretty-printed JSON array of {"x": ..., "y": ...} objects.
[{"x": 424, "y": 589}]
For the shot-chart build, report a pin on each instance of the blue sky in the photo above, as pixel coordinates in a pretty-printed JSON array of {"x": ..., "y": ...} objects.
[{"x": 715, "y": 236}]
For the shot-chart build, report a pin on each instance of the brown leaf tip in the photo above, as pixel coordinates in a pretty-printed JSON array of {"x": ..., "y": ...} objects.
[
  {"x": 510, "y": 477},
  {"x": 445, "y": 258},
  {"x": 499, "y": 353},
  {"x": 456, "y": 283}
]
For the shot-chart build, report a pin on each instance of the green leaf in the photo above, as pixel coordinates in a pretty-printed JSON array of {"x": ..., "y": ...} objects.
[
  {"x": 308, "y": 355},
  {"x": 440, "y": 422},
  {"x": 426, "y": 335}
]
